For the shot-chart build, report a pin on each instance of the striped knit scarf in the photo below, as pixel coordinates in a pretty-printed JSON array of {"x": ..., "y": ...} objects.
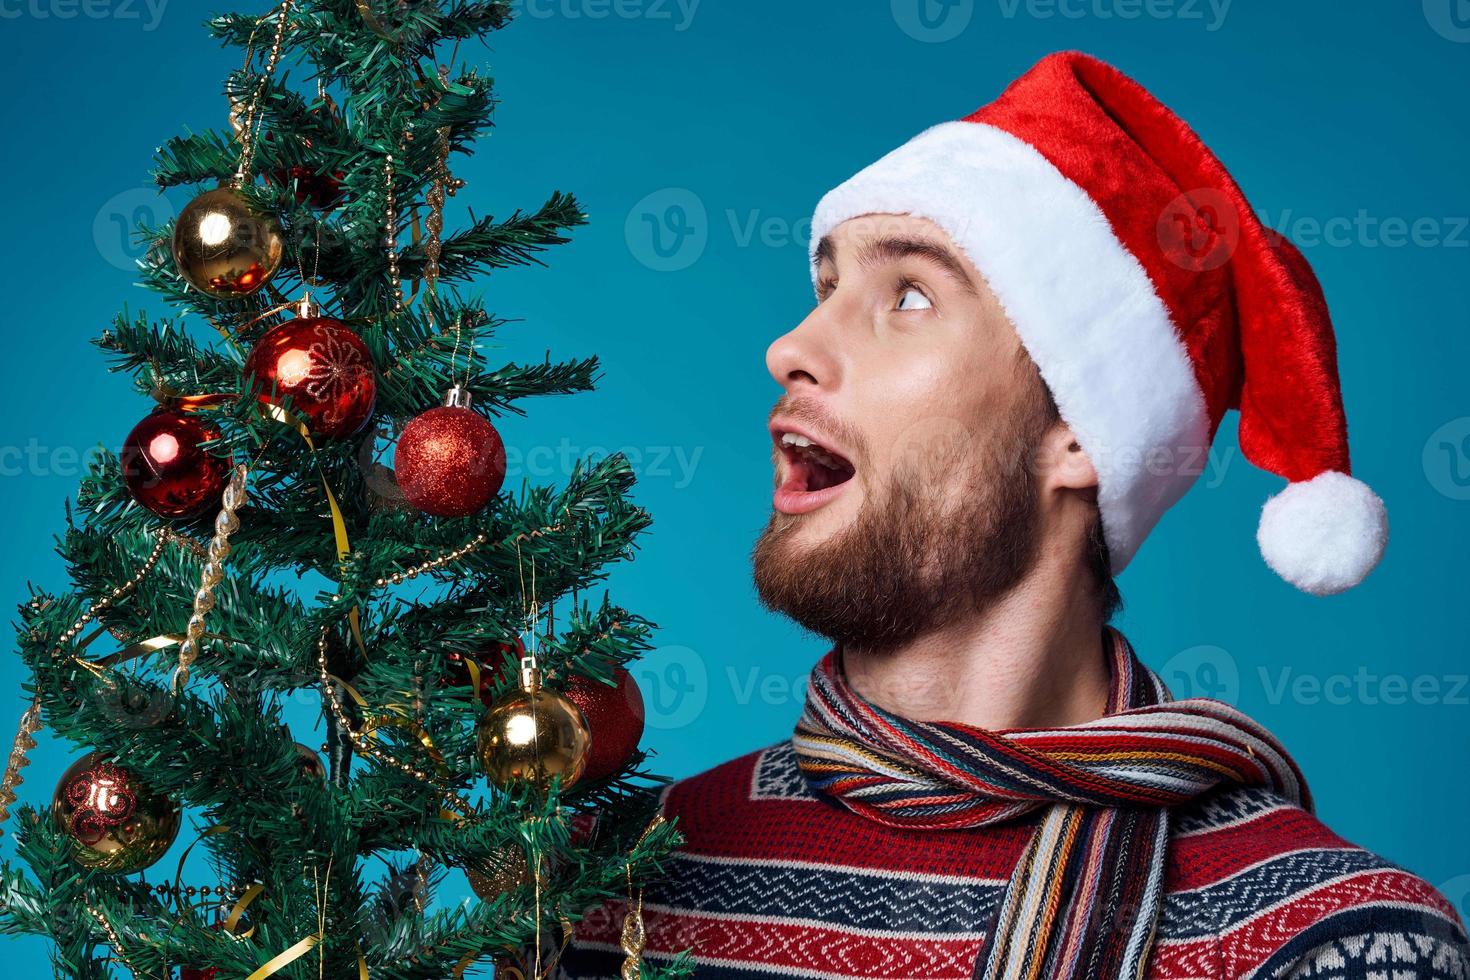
[{"x": 1084, "y": 898}]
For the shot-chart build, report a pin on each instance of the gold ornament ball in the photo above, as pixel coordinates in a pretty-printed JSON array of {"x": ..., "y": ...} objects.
[
  {"x": 224, "y": 247},
  {"x": 502, "y": 873},
  {"x": 116, "y": 823},
  {"x": 311, "y": 763},
  {"x": 531, "y": 736}
]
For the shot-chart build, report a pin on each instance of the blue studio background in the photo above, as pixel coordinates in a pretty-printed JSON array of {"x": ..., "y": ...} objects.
[{"x": 698, "y": 135}]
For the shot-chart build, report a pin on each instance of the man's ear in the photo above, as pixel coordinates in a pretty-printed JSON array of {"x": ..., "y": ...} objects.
[{"x": 1064, "y": 464}]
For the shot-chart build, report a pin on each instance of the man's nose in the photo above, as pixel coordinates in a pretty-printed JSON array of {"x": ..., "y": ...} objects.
[{"x": 805, "y": 357}]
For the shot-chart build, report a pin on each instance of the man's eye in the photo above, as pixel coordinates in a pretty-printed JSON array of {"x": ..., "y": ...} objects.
[{"x": 912, "y": 299}]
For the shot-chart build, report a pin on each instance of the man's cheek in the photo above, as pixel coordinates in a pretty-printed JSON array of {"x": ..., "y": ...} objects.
[{"x": 930, "y": 450}]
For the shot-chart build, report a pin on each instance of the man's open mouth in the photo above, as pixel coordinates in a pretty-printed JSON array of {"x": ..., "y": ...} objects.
[{"x": 812, "y": 473}]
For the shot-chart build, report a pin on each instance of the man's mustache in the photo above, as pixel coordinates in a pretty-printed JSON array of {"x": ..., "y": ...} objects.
[{"x": 811, "y": 414}]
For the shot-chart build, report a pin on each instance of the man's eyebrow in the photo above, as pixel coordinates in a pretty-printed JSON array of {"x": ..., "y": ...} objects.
[
  {"x": 826, "y": 250},
  {"x": 891, "y": 248}
]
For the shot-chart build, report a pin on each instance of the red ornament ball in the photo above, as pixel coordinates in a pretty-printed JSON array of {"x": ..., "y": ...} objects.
[
  {"x": 614, "y": 716},
  {"x": 489, "y": 668},
  {"x": 320, "y": 191},
  {"x": 449, "y": 461},
  {"x": 167, "y": 468},
  {"x": 323, "y": 368},
  {"x": 206, "y": 972}
]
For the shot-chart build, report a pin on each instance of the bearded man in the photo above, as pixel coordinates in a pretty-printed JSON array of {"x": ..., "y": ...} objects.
[{"x": 1029, "y": 324}]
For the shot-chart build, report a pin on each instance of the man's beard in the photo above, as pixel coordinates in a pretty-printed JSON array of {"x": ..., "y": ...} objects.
[{"x": 910, "y": 563}]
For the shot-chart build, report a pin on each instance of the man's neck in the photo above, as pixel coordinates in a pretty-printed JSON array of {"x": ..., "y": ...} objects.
[{"x": 1033, "y": 659}]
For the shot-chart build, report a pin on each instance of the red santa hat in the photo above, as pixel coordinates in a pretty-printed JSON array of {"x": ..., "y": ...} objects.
[{"x": 1151, "y": 298}]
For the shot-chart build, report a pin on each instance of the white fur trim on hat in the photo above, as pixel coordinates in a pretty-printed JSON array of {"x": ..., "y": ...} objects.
[
  {"x": 1324, "y": 535},
  {"x": 1083, "y": 305}
]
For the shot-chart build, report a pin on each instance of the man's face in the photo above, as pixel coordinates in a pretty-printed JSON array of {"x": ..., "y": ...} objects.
[{"x": 903, "y": 442}]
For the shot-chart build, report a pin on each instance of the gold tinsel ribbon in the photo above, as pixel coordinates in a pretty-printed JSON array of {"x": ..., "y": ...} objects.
[
  {"x": 141, "y": 648},
  {"x": 232, "y": 920},
  {"x": 373, "y": 722},
  {"x": 371, "y": 20},
  {"x": 294, "y": 953},
  {"x": 339, "y": 523},
  {"x": 289, "y": 956}
]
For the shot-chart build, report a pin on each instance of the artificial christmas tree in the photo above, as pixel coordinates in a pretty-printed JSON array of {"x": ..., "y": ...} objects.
[{"x": 316, "y": 250}]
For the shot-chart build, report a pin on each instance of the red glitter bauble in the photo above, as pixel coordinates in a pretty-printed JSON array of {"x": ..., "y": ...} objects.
[
  {"x": 489, "y": 668},
  {"x": 449, "y": 461},
  {"x": 202, "y": 973},
  {"x": 614, "y": 717},
  {"x": 323, "y": 368},
  {"x": 168, "y": 470},
  {"x": 321, "y": 191}
]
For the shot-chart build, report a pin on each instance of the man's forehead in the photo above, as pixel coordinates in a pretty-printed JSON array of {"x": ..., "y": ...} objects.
[
  {"x": 856, "y": 233},
  {"x": 874, "y": 239}
]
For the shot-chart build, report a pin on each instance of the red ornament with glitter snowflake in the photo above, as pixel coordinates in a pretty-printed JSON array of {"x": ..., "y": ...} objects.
[
  {"x": 323, "y": 368},
  {"x": 450, "y": 461}
]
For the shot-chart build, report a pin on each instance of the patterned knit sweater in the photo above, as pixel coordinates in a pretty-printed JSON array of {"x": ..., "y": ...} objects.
[{"x": 777, "y": 881}]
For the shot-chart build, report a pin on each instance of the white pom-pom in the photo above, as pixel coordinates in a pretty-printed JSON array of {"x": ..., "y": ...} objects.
[{"x": 1324, "y": 535}]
